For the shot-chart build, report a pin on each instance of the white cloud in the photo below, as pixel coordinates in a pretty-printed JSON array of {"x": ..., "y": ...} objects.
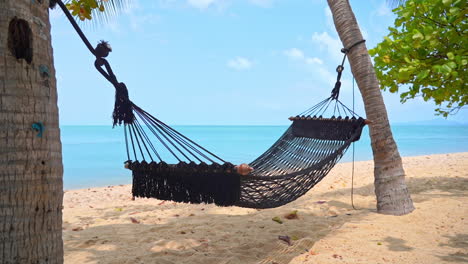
[
  {"x": 240, "y": 63},
  {"x": 201, "y": 4},
  {"x": 313, "y": 60},
  {"x": 297, "y": 54},
  {"x": 326, "y": 40},
  {"x": 331, "y": 28},
  {"x": 331, "y": 44},
  {"x": 294, "y": 53}
]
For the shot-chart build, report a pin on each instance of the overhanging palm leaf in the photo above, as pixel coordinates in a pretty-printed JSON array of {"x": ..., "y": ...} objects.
[{"x": 98, "y": 11}]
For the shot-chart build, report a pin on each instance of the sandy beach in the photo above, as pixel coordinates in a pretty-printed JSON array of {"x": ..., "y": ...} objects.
[{"x": 104, "y": 225}]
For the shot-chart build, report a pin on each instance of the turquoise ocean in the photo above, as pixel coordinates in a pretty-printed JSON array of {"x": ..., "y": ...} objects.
[{"x": 93, "y": 156}]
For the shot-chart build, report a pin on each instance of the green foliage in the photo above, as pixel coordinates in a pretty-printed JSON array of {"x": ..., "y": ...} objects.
[
  {"x": 427, "y": 51},
  {"x": 83, "y": 8},
  {"x": 103, "y": 9}
]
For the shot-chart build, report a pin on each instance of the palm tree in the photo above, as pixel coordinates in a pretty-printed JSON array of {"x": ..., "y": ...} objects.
[
  {"x": 390, "y": 187},
  {"x": 30, "y": 159},
  {"x": 31, "y": 186}
]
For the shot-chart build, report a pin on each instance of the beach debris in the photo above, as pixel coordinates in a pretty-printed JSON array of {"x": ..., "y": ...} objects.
[
  {"x": 91, "y": 206},
  {"x": 191, "y": 214},
  {"x": 294, "y": 238},
  {"x": 118, "y": 209},
  {"x": 277, "y": 220},
  {"x": 286, "y": 239},
  {"x": 134, "y": 213},
  {"x": 161, "y": 203},
  {"x": 292, "y": 215},
  {"x": 77, "y": 228},
  {"x": 183, "y": 232},
  {"x": 337, "y": 256},
  {"x": 134, "y": 220},
  {"x": 321, "y": 202},
  {"x": 313, "y": 253},
  {"x": 176, "y": 215},
  {"x": 379, "y": 243}
]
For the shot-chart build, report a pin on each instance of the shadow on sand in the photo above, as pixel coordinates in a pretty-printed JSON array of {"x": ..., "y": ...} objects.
[{"x": 180, "y": 241}]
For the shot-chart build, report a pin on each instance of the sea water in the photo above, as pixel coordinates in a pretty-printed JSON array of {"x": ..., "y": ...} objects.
[{"x": 94, "y": 155}]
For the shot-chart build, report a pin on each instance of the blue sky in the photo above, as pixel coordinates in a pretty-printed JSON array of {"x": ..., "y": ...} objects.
[{"x": 219, "y": 62}]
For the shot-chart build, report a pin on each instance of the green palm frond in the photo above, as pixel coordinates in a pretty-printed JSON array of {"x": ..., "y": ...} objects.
[{"x": 98, "y": 12}]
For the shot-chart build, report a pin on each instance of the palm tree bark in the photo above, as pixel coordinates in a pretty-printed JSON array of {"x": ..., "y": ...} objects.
[
  {"x": 31, "y": 188},
  {"x": 390, "y": 187}
]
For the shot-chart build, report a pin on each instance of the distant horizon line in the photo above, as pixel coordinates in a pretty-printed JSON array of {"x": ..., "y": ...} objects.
[{"x": 415, "y": 123}]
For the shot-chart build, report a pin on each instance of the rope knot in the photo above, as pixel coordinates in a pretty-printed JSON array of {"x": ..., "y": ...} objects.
[
  {"x": 123, "y": 107},
  {"x": 121, "y": 91},
  {"x": 102, "y": 49},
  {"x": 336, "y": 90}
]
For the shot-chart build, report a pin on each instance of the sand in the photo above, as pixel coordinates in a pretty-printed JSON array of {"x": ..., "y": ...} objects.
[{"x": 103, "y": 225}]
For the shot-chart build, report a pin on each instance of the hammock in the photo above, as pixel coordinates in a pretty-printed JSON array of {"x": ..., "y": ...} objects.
[
  {"x": 295, "y": 163},
  {"x": 298, "y": 160}
]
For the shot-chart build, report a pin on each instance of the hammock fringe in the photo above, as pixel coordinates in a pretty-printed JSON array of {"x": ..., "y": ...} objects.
[{"x": 188, "y": 183}]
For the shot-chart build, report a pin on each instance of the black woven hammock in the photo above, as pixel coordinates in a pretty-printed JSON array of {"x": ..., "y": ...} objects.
[{"x": 295, "y": 163}]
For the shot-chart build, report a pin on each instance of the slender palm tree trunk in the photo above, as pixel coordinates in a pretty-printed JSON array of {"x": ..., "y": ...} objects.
[
  {"x": 30, "y": 165},
  {"x": 390, "y": 187}
]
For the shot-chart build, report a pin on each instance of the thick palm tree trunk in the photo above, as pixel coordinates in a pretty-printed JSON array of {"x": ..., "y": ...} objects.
[
  {"x": 390, "y": 188},
  {"x": 30, "y": 166}
]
